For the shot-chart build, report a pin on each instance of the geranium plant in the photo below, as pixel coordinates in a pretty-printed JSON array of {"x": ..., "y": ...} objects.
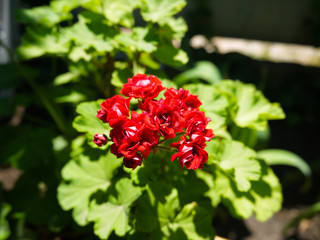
[{"x": 155, "y": 158}]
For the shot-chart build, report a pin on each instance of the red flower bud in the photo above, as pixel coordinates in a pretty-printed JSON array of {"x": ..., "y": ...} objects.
[{"x": 100, "y": 139}]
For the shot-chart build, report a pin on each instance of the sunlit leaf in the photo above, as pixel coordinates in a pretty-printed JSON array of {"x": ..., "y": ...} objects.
[
  {"x": 120, "y": 11},
  {"x": 43, "y": 15},
  {"x": 114, "y": 214},
  {"x": 83, "y": 178},
  {"x": 202, "y": 70},
  {"x": 39, "y": 41},
  {"x": 4, "y": 224},
  {"x": 238, "y": 162},
  {"x": 214, "y": 105},
  {"x": 283, "y": 157},
  {"x": 87, "y": 120},
  {"x": 263, "y": 199},
  {"x": 171, "y": 56},
  {"x": 158, "y": 11},
  {"x": 68, "y": 5},
  {"x": 139, "y": 40},
  {"x": 250, "y": 107}
]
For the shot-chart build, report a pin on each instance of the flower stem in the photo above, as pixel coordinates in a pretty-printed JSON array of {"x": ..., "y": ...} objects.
[{"x": 166, "y": 148}]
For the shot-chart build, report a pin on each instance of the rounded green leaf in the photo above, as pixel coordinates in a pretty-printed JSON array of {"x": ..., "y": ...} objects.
[
  {"x": 81, "y": 180},
  {"x": 114, "y": 215},
  {"x": 238, "y": 162},
  {"x": 87, "y": 120}
]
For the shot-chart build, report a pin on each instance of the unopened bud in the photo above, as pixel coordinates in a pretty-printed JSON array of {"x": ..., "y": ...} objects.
[{"x": 100, "y": 139}]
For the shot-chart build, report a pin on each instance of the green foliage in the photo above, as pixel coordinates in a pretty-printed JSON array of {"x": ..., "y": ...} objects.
[{"x": 83, "y": 179}]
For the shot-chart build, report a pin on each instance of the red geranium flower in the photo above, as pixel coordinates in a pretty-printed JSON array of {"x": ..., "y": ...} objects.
[
  {"x": 114, "y": 109},
  {"x": 196, "y": 121},
  {"x": 182, "y": 98},
  {"x": 191, "y": 156},
  {"x": 142, "y": 86},
  {"x": 166, "y": 119}
]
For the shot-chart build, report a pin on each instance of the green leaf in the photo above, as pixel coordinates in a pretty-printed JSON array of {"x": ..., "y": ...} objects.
[
  {"x": 65, "y": 78},
  {"x": 264, "y": 198},
  {"x": 249, "y": 108},
  {"x": 114, "y": 215},
  {"x": 43, "y": 15},
  {"x": 178, "y": 27},
  {"x": 139, "y": 40},
  {"x": 171, "y": 56},
  {"x": 89, "y": 32},
  {"x": 4, "y": 225},
  {"x": 120, "y": 11},
  {"x": 195, "y": 222},
  {"x": 167, "y": 219},
  {"x": 87, "y": 120},
  {"x": 81, "y": 180},
  {"x": 283, "y": 157},
  {"x": 158, "y": 11},
  {"x": 68, "y": 5},
  {"x": 202, "y": 70},
  {"x": 238, "y": 162},
  {"x": 72, "y": 97},
  {"x": 39, "y": 41}
]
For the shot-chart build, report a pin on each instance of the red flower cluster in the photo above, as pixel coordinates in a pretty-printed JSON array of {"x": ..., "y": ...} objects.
[{"x": 135, "y": 134}]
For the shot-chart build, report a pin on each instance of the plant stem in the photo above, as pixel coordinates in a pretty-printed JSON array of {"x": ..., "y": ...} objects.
[{"x": 166, "y": 148}]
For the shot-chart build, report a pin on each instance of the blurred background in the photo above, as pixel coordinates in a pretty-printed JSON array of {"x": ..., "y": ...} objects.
[{"x": 272, "y": 44}]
